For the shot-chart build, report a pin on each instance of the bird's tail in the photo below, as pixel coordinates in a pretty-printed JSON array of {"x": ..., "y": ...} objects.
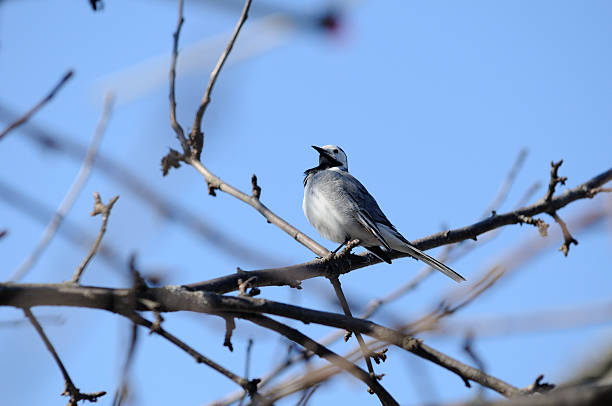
[{"x": 434, "y": 263}]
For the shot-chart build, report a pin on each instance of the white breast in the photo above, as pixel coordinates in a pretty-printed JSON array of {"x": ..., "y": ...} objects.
[{"x": 322, "y": 212}]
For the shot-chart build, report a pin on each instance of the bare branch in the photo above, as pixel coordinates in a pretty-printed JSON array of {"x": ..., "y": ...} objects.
[
  {"x": 582, "y": 395},
  {"x": 230, "y": 326},
  {"x": 347, "y": 312},
  {"x": 122, "y": 392},
  {"x": 247, "y": 367},
  {"x": 507, "y": 184},
  {"x": 70, "y": 231},
  {"x": 216, "y": 183},
  {"x": 554, "y": 180},
  {"x": 174, "y": 298},
  {"x": 38, "y": 105},
  {"x": 323, "y": 352},
  {"x": 72, "y": 194},
  {"x": 168, "y": 209},
  {"x": 196, "y": 137},
  {"x": 248, "y": 385},
  {"x": 70, "y": 389},
  {"x": 196, "y": 141},
  {"x": 290, "y": 274},
  {"x": 567, "y": 237},
  {"x": 175, "y": 125},
  {"x": 99, "y": 208}
]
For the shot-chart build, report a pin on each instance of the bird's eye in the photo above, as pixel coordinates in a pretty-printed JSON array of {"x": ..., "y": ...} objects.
[{"x": 335, "y": 151}]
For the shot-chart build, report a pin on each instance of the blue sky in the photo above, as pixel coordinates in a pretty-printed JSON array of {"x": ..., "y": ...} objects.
[{"x": 432, "y": 101}]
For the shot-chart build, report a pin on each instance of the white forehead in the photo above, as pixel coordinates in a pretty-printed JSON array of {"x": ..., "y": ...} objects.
[{"x": 333, "y": 149}]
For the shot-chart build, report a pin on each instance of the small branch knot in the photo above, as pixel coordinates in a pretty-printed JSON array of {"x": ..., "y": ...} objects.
[
  {"x": 101, "y": 208},
  {"x": 211, "y": 188},
  {"x": 256, "y": 188},
  {"x": 244, "y": 285},
  {"x": 538, "y": 386},
  {"x": 554, "y": 180},
  {"x": 172, "y": 160},
  {"x": 539, "y": 223},
  {"x": 230, "y": 326},
  {"x": 251, "y": 386},
  {"x": 379, "y": 356}
]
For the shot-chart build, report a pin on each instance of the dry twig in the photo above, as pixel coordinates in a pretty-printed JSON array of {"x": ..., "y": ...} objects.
[
  {"x": 196, "y": 137},
  {"x": 104, "y": 210},
  {"x": 70, "y": 389},
  {"x": 248, "y": 385},
  {"x": 38, "y": 105},
  {"x": 72, "y": 194}
]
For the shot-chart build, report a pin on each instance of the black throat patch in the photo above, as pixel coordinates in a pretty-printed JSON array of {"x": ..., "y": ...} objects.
[{"x": 325, "y": 162}]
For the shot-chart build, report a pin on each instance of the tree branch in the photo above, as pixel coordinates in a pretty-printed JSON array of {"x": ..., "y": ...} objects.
[
  {"x": 70, "y": 389},
  {"x": 175, "y": 298},
  {"x": 250, "y": 386},
  {"x": 196, "y": 137},
  {"x": 292, "y": 274},
  {"x": 99, "y": 208},
  {"x": 71, "y": 196},
  {"x": 180, "y": 134},
  {"x": 323, "y": 352},
  {"x": 38, "y": 105}
]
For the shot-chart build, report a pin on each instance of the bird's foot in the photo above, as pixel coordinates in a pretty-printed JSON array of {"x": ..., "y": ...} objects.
[{"x": 339, "y": 263}]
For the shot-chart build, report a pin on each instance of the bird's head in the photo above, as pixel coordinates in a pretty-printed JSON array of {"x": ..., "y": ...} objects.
[{"x": 332, "y": 156}]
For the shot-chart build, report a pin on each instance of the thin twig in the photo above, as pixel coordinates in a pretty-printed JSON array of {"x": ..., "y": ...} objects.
[
  {"x": 335, "y": 281},
  {"x": 165, "y": 207},
  {"x": 99, "y": 208},
  {"x": 38, "y": 105},
  {"x": 507, "y": 183},
  {"x": 568, "y": 240},
  {"x": 72, "y": 194},
  {"x": 122, "y": 392},
  {"x": 248, "y": 385},
  {"x": 323, "y": 352},
  {"x": 191, "y": 152},
  {"x": 175, "y": 125},
  {"x": 468, "y": 347},
  {"x": 196, "y": 136},
  {"x": 70, "y": 389},
  {"x": 247, "y": 367},
  {"x": 70, "y": 231},
  {"x": 347, "y": 311}
]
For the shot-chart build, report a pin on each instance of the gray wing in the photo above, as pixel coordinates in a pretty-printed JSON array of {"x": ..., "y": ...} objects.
[{"x": 365, "y": 201}]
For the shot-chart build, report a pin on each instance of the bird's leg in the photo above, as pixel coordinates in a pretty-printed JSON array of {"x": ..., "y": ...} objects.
[
  {"x": 341, "y": 245},
  {"x": 332, "y": 254}
]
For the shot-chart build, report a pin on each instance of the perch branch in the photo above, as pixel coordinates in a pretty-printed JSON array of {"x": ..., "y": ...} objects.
[{"x": 291, "y": 274}]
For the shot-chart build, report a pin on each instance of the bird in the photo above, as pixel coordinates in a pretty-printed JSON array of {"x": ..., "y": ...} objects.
[{"x": 341, "y": 209}]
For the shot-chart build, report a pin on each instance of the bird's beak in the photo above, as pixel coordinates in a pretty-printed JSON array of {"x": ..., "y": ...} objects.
[{"x": 320, "y": 150}]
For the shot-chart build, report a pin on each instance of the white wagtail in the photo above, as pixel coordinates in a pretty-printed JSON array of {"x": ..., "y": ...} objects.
[{"x": 341, "y": 209}]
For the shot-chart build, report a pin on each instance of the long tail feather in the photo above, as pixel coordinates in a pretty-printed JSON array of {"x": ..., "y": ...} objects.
[{"x": 434, "y": 263}]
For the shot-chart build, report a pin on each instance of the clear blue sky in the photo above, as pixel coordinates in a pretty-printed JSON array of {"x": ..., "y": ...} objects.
[{"x": 432, "y": 101}]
